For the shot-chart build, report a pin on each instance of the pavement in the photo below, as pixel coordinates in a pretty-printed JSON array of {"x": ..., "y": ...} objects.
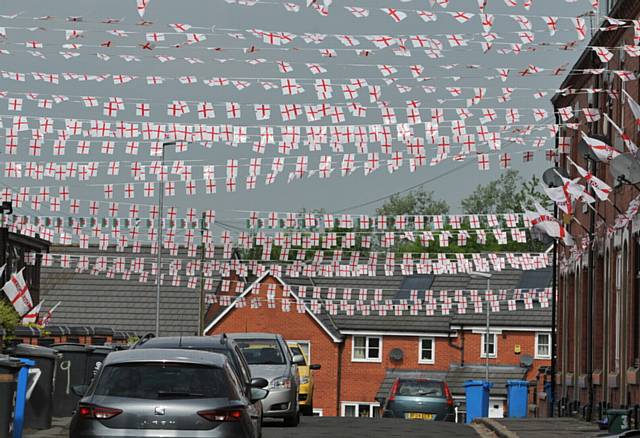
[
  {"x": 539, "y": 427},
  {"x": 320, "y": 427}
]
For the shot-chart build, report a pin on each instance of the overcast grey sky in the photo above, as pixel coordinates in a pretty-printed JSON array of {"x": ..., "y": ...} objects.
[{"x": 335, "y": 193}]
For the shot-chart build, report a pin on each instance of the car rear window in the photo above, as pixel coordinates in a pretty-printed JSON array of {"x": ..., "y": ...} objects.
[
  {"x": 164, "y": 381},
  {"x": 420, "y": 388},
  {"x": 262, "y": 351}
]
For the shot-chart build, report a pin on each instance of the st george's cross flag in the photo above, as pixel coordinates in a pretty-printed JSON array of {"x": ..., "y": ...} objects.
[
  {"x": 32, "y": 316},
  {"x": 603, "y": 151},
  {"x": 17, "y": 291},
  {"x": 47, "y": 317}
]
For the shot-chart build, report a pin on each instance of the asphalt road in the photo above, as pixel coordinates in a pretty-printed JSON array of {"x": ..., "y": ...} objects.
[
  {"x": 317, "y": 427},
  {"x": 337, "y": 427}
]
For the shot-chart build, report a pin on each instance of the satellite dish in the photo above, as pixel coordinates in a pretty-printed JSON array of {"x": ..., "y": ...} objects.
[
  {"x": 396, "y": 354},
  {"x": 625, "y": 168},
  {"x": 552, "y": 176},
  {"x": 526, "y": 361},
  {"x": 585, "y": 150}
]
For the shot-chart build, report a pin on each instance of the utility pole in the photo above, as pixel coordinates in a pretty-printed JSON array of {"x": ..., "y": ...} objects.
[
  {"x": 201, "y": 310},
  {"x": 159, "y": 255}
]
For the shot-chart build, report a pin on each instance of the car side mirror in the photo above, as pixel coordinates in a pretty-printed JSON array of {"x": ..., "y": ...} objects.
[
  {"x": 258, "y": 394},
  {"x": 298, "y": 359},
  {"x": 80, "y": 390},
  {"x": 259, "y": 382},
  {"x": 315, "y": 366}
]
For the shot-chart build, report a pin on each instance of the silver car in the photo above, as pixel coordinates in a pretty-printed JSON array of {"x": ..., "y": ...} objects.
[
  {"x": 164, "y": 393},
  {"x": 269, "y": 357}
]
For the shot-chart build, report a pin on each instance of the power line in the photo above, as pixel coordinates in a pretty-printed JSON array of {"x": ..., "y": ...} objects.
[{"x": 442, "y": 175}]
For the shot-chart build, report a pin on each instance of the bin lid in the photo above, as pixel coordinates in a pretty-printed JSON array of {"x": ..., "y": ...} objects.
[
  {"x": 483, "y": 383},
  {"x": 517, "y": 383},
  {"x": 37, "y": 351},
  {"x": 70, "y": 347},
  {"x": 10, "y": 363}
]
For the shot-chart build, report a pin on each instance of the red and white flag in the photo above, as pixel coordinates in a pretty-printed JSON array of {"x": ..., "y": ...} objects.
[
  {"x": 635, "y": 107},
  {"x": 600, "y": 188},
  {"x": 603, "y": 151},
  {"x": 545, "y": 222},
  {"x": 142, "y": 6},
  {"x": 47, "y": 317},
  {"x": 17, "y": 291},
  {"x": 32, "y": 316}
]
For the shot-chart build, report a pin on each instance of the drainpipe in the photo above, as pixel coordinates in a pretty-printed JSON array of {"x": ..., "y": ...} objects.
[
  {"x": 460, "y": 347},
  {"x": 554, "y": 299},
  {"x": 339, "y": 378}
]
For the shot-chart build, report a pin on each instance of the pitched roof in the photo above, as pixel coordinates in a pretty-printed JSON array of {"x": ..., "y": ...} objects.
[
  {"x": 498, "y": 375},
  {"x": 124, "y": 305},
  {"x": 456, "y": 376}
]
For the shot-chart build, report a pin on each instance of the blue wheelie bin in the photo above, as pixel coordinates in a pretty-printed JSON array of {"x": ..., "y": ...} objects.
[
  {"x": 477, "y": 399},
  {"x": 517, "y": 398}
]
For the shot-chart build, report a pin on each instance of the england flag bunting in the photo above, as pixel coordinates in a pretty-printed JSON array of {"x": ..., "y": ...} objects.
[{"x": 17, "y": 291}]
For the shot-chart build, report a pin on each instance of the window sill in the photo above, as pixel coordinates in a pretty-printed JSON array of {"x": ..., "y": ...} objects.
[
  {"x": 426, "y": 362},
  {"x": 367, "y": 360}
]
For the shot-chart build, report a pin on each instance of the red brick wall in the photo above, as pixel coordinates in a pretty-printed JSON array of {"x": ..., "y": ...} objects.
[{"x": 360, "y": 381}]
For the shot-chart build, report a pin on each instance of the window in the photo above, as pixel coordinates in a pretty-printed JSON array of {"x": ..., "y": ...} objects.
[
  {"x": 366, "y": 349},
  {"x": 427, "y": 351},
  {"x": 361, "y": 409},
  {"x": 543, "y": 346},
  {"x": 491, "y": 346}
]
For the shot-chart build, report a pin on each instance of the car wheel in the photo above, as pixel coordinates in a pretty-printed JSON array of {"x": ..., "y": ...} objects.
[
  {"x": 292, "y": 421},
  {"x": 307, "y": 409}
]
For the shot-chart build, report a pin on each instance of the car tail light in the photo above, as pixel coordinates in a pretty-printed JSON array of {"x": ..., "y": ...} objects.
[
  {"x": 394, "y": 389},
  {"x": 447, "y": 393},
  {"x": 97, "y": 412},
  {"x": 222, "y": 415}
]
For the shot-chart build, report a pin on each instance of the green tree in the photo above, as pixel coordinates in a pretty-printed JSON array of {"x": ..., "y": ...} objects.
[
  {"x": 415, "y": 202},
  {"x": 508, "y": 194}
]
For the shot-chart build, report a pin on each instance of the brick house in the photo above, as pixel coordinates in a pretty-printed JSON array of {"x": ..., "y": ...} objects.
[
  {"x": 355, "y": 351},
  {"x": 599, "y": 330}
]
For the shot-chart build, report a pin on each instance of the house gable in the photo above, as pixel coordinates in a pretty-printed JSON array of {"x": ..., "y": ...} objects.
[{"x": 333, "y": 334}]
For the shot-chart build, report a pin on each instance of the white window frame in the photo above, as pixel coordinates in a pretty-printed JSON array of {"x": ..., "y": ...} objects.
[
  {"x": 372, "y": 405},
  {"x": 366, "y": 358},
  {"x": 433, "y": 352},
  {"x": 483, "y": 354},
  {"x": 318, "y": 412},
  {"x": 537, "y": 352},
  {"x": 308, "y": 343}
]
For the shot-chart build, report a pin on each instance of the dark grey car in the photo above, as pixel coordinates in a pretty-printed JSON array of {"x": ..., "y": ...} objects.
[
  {"x": 216, "y": 344},
  {"x": 419, "y": 399},
  {"x": 164, "y": 393}
]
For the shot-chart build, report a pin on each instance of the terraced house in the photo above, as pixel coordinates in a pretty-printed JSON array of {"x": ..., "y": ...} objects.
[
  {"x": 361, "y": 355},
  {"x": 599, "y": 288}
]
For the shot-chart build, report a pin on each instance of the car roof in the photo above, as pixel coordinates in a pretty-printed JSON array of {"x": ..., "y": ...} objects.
[
  {"x": 214, "y": 342},
  {"x": 254, "y": 335},
  {"x": 162, "y": 355}
]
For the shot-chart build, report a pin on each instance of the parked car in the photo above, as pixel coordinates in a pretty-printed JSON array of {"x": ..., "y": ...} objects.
[
  {"x": 419, "y": 399},
  {"x": 158, "y": 392},
  {"x": 268, "y": 356},
  {"x": 217, "y": 344},
  {"x": 305, "y": 390}
]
